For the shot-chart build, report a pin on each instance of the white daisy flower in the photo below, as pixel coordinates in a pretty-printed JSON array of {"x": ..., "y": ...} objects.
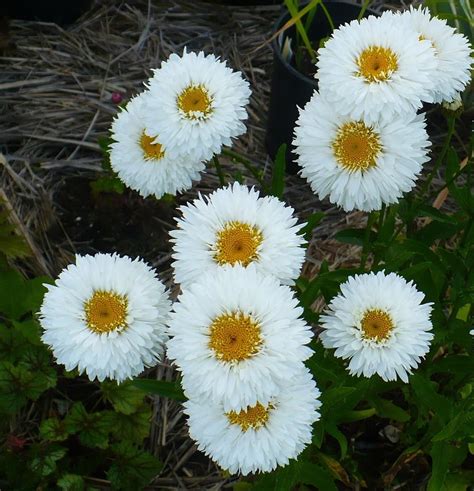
[
  {"x": 359, "y": 165},
  {"x": 196, "y": 104},
  {"x": 232, "y": 226},
  {"x": 259, "y": 437},
  {"x": 452, "y": 51},
  {"x": 379, "y": 323},
  {"x": 236, "y": 335},
  {"x": 376, "y": 68},
  {"x": 142, "y": 162},
  {"x": 106, "y": 316}
]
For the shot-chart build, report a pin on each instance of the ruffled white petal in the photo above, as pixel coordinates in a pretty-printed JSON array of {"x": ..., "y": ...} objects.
[
  {"x": 403, "y": 92},
  {"x": 115, "y": 355},
  {"x": 452, "y": 50},
  {"x": 201, "y": 137},
  {"x": 280, "y": 254},
  {"x": 285, "y": 434},
  {"x": 404, "y": 150},
  {"x": 168, "y": 175},
  {"x": 284, "y": 335},
  {"x": 409, "y": 340}
]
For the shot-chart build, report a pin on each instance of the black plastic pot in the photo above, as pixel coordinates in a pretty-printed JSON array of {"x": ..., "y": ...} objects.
[
  {"x": 62, "y": 12},
  {"x": 290, "y": 88},
  {"x": 247, "y": 2}
]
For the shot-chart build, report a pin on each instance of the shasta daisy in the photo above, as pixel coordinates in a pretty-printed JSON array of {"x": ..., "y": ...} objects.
[
  {"x": 141, "y": 160},
  {"x": 236, "y": 334},
  {"x": 379, "y": 323},
  {"x": 359, "y": 164},
  {"x": 234, "y": 225},
  {"x": 106, "y": 316},
  {"x": 258, "y": 437},
  {"x": 196, "y": 104}
]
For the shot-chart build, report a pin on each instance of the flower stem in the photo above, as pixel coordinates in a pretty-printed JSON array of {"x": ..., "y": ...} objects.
[
  {"x": 247, "y": 164},
  {"x": 366, "y": 245},
  {"x": 220, "y": 173},
  {"x": 439, "y": 160}
]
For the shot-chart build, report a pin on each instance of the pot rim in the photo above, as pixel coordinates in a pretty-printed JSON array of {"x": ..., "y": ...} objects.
[{"x": 284, "y": 17}]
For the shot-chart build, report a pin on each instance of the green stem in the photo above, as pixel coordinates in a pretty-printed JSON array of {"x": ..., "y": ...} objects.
[
  {"x": 439, "y": 160},
  {"x": 365, "y": 5},
  {"x": 246, "y": 163},
  {"x": 384, "y": 212},
  {"x": 220, "y": 173},
  {"x": 328, "y": 16},
  {"x": 366, "y": 245}
]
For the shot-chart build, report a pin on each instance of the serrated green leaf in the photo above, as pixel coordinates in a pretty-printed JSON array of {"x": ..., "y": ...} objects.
[
  {"x": 93, "y": 428},
  {"x": 125, "y": 397},
  {"x": 161, "y": 387},
  {"x": 17, "y": 386},
  {"x": 132, "y": 468},
  {"x": 131, "y": 427},
  {"x": 38, "y": 361},
  {"x": 452, "y": 428},
  {"x": 19, "y": 296},
  {"x": 71, "y": 482},
  {"x": 29, "y": 330},
  {"x": 12, "y": 346},
  {"x": 45, "y": 463},
  {"x": 53, "y": 429}
]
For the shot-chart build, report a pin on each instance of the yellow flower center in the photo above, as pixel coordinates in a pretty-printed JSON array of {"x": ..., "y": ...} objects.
[
  {"x": 151, "y": 151},
  {"x": 234, "y": 337},
  {"x": 252, "y": 417},
  {"x": 376, "y": 325},
  {"x": 237, "y": 242},
  {"x": 106, "y": 311},
  {"x": 356, "y": 146},
  {"x": 195, "y": 102},
  {"x": 376, "y": 64}
]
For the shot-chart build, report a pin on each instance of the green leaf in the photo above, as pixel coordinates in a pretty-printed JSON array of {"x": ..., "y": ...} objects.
[
  {"x": 133, "y": 468},
  {"x": 297, "y": 472},
  {"x": 45, "y": 463},
  {"x": 278, "y": 176},
  {"x": 93, "y": 428},
  {"x": 38, "y": 361},
  {"x": 161, "y": 387},
  {"x": 12, "y": 245},
  {"x": 444, "y": 456},
  {"x": 19, "y": 296},
  {"x": 334, "y": 431},
  {"x": 131, "y": 427},
  {"x": 352, "y": 236},
  {"x": 435, "y": 214},
  {"x": 108, "y": 184},
  {"x": 311, "y": 222},
  {"x": 451, "y": 428},
  {"x": 125, "y": 397},
  {"x": 71, "y": 482},
  {"x": 29, "y": 330},
  {"x": 53, "y": 429},
  {"x": 17, "y": 386},
  {"x": 12, "y": 346},
  {"x": 428, "y": 397},
  {"x": 387, "y": 409}
]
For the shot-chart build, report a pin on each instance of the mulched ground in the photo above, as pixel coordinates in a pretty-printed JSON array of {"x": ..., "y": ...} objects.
[{"x": 56, "y": 86}]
